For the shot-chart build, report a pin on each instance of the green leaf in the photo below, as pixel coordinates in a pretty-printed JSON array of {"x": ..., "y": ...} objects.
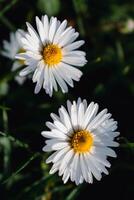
[
  {"x": 3, "y": 88},
  {"x": 74, "y": 193},
  {"x": 50, "y": 7},
  {"x": 7, "y": 154}
]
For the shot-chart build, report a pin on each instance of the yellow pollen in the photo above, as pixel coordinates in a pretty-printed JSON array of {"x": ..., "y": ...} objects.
[
  {"x": 52, "y": 54},
  {"x": 21, "y": 50},
  {"x": 82, "y": 141}
]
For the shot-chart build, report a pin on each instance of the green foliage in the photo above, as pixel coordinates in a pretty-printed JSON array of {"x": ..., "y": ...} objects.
[{"x": 51, "y": 7}]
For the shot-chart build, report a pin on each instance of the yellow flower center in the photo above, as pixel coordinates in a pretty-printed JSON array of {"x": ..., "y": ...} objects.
[
  {"x": 21, "y": 50},
  {"x": 82, "y": 141},
  {"x": 52, "y": 54}
]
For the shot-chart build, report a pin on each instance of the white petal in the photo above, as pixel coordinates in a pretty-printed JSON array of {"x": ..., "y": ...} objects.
[
  {"x": 40, "y": 29},
  {"x": 65, "y": 161},
  {"x": 60, "y": 81},
  {"x": 98, "y": 118},
  {"x": 55, "y": 117},
  {"x": 34, "y": 37},
  {"x": 26, "y": 71},
  {"x": 59, "y": 145},
  {"x": 64, "y": 40},
  {"x": 105, "y": 142},
  {"x": 62, "y": 73},
  {"x": 80, "y": 115},
  {"x": 55, "y": 167},
  {"x": 66, "y": 118},
  {"x": 59, "y": 31},
  {"x": 30, "y": 42},
  {"x": 78, "y": 102},
  {"x": 83, "y": 168},
  {"x": 16, "y": 65},
  {"x": 92, "y": 167},
  {"x": 51, "y": 85},
  {"x": 73, "y": 167},
  {"x": 99, "y": 165},
  {"x": 60, "y": 126},
  {"x": 47, "y": 85},
  {"x": 65, "y": 36},
  {"x": 40, "y": 80},
  {"x": 90, "y": 114},
  {"x": 114, "y": 134},
  {"x": 72, "y": 38},
  {"x": 74, "y": 45},
  {"x": 54, "y": 134},
  {"x": 50, "y": 125},
  {"x": 47, "y": 148},
  {"x": 32, "y": 32},
  {"x": 78, "y": 175},
  {"x": 106, "y": 151},
  {"x": 85, "y": 105},
  {"x": 36, "y": 74},
  {"x": 66, "y": 175},
  {"x": 61, "y": 154},
  {"x": 49, "y": 81},
  {"x": 46, "y": 27},
  {"x": 50, "y": 158},
  {"x": 76, "y": 61},
  {"x": 74, "y": 114},
  {"x": 101, "y": 158},
  {"x": 54, "y": 84},
  {"x": 98, "y": 121},
  {"x": 73, "y": 72},
  {"x": 52, "y": 29},
  {"x": 74, "y": 53}
]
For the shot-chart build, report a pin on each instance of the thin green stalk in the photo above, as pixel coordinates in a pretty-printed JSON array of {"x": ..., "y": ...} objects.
[
  {"x": 74, "y": 193},
  {"x": 2, "y": 107},
  {"x": 7, "y": 23},
  {"x": 22, "y": 167},
  {"x": 61, "y": 188},
  {"x": 16, "y": 141},
  {"x": 6, "y": 144},
  {"x": 8, "y": 7},
  {"x": 38, "y": 182},
  {"x": 129, "y": 145},
  {"x": 5, "y": 120}
]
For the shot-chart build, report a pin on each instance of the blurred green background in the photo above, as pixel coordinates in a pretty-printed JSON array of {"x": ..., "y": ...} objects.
[{"x": 108, "y": 29}]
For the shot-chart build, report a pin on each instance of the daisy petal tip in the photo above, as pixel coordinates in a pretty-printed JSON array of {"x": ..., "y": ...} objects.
[
  {"x": 114, "y": 155},
  {"x": 43, "y": 133},
  {"x": 44, "y": 149},
  {"x": 117, "y": 144},
  {"x": 37, "y": 89},
  {"x": 21, "y": 73},
  {"x": 36, "y": 92},
  {"x": 51, "y": 172},
  {"x": 50, "y": 94},
  {"x": 48, "y": 161},
  {"x": 28, "y": 24}
]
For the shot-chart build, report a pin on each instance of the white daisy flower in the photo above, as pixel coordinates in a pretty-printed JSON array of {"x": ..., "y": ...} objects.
[
  {"x": 11, "y": 48},
  {"x": 51, "y": 54},
  {"x": 82, "y": 141}
]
